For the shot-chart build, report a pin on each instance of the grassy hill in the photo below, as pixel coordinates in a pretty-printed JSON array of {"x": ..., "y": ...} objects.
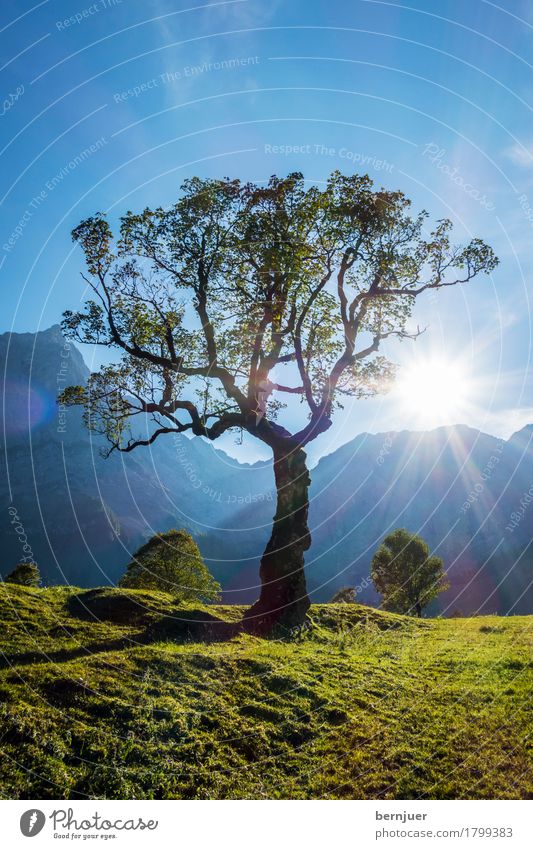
[{"x": 107, "y": 694}]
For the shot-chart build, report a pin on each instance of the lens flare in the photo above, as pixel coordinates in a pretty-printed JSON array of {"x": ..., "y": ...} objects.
[{"x": 28, "y": 409}]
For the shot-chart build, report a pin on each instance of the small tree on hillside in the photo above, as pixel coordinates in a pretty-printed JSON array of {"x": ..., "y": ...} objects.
[
  {"x": 346, "y": 595},
  {"x": 25, "y": 574},
  {"x": 171, "y": 563},
  {"x": 241, "y": 295},
  {"x": 405, "y": 574}
]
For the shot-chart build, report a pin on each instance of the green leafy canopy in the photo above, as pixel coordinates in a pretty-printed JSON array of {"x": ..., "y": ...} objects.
[
  {"x": 238, "y": 287},
  {"x": 171, "y": 563},
  {"x": 405, "y": 574}
]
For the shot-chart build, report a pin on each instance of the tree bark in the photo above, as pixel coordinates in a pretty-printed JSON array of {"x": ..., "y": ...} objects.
[{"x": 283, "y": 602}]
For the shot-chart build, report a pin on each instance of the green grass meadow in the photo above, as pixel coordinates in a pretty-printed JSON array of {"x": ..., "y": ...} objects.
[{"x": 117, "y": 695}]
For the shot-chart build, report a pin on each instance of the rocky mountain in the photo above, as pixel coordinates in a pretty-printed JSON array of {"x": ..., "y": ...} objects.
[
  {"x": 82, "y": 514},
  {"x": 469, "y": 494}
]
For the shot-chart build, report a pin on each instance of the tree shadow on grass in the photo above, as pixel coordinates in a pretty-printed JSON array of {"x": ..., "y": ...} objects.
[
  {"x": 167, "y": 622},
  {"x": 182, "y": 625},
  {"x": 64, "y": 655},
  {"x": 195, "y": 626}
]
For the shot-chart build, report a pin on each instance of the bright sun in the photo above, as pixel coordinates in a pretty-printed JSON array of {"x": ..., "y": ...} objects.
[{"x": 433, "y": 391}]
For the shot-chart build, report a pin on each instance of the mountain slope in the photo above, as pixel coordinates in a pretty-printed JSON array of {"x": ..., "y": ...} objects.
[
  {"x": 457, "y": 487},
  {"x": 466, "y": 492},
  {"x": 83, "y": 515}
]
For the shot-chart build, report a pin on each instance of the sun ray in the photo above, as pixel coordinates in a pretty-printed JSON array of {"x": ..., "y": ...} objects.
[{"x": 434, "y": 391}]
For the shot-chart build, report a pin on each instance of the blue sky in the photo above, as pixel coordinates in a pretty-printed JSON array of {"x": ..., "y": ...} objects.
[{"x": 110, "y": 105}]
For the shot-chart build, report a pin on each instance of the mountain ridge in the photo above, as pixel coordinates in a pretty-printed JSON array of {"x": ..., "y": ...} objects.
[{"x": 85, "y": 516}]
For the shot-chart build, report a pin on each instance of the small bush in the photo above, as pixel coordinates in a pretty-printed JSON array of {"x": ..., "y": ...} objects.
[
  {"x": 346, "y": 595},
  {"x": 405, "y": 574},
  {"x": 171, "y": 563},
  {"x": 25, "y": 574}
]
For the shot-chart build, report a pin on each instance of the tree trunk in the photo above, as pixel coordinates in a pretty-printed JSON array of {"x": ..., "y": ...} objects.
[
  {"x": 418, "y": 608},
  {"x": 283, "y": 602}
]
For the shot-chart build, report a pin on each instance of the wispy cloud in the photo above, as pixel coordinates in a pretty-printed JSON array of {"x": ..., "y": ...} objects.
[
  {"x": 521, "y": 154},
  {"x": 504, "y": 423}
]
